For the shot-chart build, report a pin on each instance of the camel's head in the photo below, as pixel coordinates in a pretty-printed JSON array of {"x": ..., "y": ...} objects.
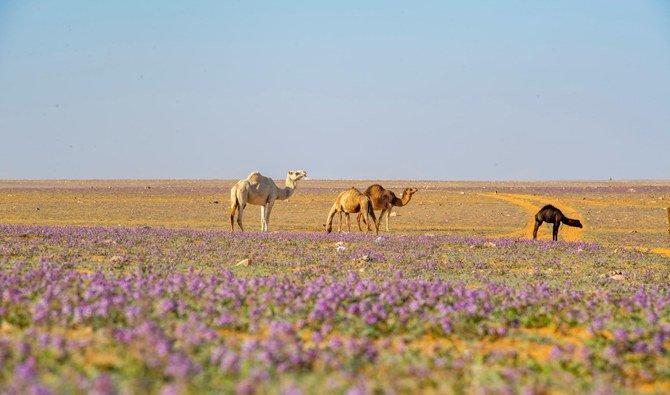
[
  {"x": 295, "y": 175},
  {"x": 409, "y": 191}
]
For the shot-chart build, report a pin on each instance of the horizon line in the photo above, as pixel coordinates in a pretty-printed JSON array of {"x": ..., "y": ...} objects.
[{"x": 664, "y": 180}]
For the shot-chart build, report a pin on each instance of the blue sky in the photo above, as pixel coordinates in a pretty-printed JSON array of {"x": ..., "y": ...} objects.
[{"x": 435, "y": 90}]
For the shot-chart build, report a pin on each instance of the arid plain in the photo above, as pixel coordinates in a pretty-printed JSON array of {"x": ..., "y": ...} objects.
[{"x": 619, "y": 213}]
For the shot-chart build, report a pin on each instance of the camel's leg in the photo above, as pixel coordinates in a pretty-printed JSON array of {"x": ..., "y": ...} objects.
[
  {"x": 537, "y": 226},
  {"x": 339, "y": 223},
  {"x": 348, "y": 223},
  {"x": 329, "y": 221},
  {"x": 360, "y": 216},
  {"x": 233, "y": 207},
  {"x": 268, "y": 210},
  {"x": 367, "y": 210},
  {"x": 373, "y": 220},
  {"x": 372, "y": 214},
  {"x": 555, "y": 232},
  {"x": 364, "y": 218},
  {"x": 381, "y": 216},
  {"x": 262, "y": 218},
  {"x": 388, "y": 216},
  {"x": 240, "y": 214}
]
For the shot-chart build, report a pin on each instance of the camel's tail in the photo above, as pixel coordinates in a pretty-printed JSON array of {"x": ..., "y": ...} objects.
[{"x": 234, "y": 204}]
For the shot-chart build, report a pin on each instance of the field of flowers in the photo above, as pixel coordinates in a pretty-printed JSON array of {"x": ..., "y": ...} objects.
[{"x": 115, "y": 309}]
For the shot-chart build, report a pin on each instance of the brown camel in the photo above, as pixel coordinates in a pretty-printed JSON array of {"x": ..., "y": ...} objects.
[
  {"x": 552, "y": 215},
  {"x": 384, "y": 200},
  {"x": 348, "y": 202}
]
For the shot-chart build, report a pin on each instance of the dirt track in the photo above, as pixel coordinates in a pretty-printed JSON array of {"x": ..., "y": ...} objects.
[{"x": 531, "y": 204}]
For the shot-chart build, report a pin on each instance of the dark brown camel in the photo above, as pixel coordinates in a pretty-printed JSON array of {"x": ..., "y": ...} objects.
[{"x": 552, "y": 215}]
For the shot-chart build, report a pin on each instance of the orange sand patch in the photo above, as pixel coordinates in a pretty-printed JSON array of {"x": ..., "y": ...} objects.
[
  {"x": 531, "y": 204},
  {"x": 80, "y": 333},
  {"x": 102, "y": 359},
  {"x": 522, "y": 346},
  {"x": 76, "y": 333},
  {"x": 575, "y": 336},
  {"x": 655, "y": 250},
  {"x": 429, "y": 344},
  {"x": 7, "y": 328},
  {"x": 528, "y": 349},
  {"x": 519, "y": 342},
  {"x": 242, "y": 335},
  {"x": 656, "y": 387},
  {"x": 661, "y": 251}
]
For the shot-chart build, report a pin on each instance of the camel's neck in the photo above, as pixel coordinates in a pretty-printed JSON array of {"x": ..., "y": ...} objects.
[
  {"x": 285, "y": 193},
  {"x": 569, "y": 221},
  {"x": 406, "y": 197}
]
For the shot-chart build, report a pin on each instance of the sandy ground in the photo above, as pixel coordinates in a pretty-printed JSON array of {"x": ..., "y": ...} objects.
[{"x": 629, "y": 214}]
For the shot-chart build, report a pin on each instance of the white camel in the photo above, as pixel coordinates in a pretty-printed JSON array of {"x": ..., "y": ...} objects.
[{"x": 261, "y": 191}]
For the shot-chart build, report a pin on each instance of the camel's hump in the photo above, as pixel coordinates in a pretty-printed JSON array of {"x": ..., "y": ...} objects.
[{"x": 255, "y": 177}]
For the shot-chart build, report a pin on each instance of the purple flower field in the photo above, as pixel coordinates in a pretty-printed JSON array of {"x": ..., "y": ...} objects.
[{"x": 137, "y": 310}]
